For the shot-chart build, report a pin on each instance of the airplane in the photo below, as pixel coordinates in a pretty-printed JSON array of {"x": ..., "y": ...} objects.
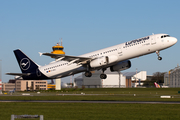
[
  {"x": 116, "y": 58},
  {"x": 157, "y": 85}
]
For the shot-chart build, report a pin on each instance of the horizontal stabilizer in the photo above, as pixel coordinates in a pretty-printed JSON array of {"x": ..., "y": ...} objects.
[{"x": 19, "y": 74}]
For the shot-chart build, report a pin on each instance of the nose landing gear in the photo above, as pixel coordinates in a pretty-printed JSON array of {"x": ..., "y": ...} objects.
[{"x": 159, "y": 57}]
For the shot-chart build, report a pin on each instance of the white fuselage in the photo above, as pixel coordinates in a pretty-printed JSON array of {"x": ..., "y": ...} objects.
[{"x": 117, "y": 53}]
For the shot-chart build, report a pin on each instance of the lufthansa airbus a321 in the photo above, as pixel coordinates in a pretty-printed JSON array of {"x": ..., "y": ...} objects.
[{"x": 116, "y": 58}]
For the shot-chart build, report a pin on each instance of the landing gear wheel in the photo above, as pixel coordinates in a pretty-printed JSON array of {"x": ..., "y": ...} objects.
[
  {"x": 159, "y": 58},
  {"x": 103, "y": 76},
  {"x": 88, "y": 74}
]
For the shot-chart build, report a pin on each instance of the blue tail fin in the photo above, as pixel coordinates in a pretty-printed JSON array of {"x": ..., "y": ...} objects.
[
  {"x": 25, "y": 63},
  {"x": 30, "y": 70}
]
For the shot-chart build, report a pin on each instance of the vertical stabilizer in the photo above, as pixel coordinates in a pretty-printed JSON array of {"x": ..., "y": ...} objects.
[
  {"x": 30, "y": 70},
  {"x": 25, "y": 63},
  {"x": 156, "y": 85}
]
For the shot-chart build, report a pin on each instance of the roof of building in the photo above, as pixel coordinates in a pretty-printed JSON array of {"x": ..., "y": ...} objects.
[{"x": 130, "y": 74}]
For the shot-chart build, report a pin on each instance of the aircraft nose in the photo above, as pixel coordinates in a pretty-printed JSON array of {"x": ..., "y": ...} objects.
[{"x": 174, "y": 40}]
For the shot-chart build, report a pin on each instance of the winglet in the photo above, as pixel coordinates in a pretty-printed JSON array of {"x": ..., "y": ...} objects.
[{"x": 40, "y": 53}]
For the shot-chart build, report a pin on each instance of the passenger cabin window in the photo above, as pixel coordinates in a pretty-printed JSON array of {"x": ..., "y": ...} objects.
[{"x": 165, "y": 36}]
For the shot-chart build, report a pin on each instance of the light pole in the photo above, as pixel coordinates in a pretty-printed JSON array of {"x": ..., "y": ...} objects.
[{"x": 119, "y": 79}]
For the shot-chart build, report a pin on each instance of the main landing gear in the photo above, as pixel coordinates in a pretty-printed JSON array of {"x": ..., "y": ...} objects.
[
  {"x": 159, "y": 57},
  {"x": 103, "y": 76},
  {"x": 88, "y": 73}
]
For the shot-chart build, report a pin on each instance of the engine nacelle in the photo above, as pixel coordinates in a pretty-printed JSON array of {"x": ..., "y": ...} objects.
[
  {"x": 104, "y": 60},
  {"x": 99, "y": 62},
  {"x": 112, "y": 58},
  {"x": 121, "y": 66}
]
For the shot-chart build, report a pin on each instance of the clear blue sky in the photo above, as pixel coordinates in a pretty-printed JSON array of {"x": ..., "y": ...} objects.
[{"x": 86, "y": 25}]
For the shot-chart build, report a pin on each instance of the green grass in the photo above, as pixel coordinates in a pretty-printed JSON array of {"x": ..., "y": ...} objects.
[
  {"x": 91, "y": 111},
  {"x": 115, "y": 94},
  {"x": 94, "y": 111}
]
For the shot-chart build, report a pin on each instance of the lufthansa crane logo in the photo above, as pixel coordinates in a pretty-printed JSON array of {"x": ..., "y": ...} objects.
[{"x": 25, "y": 64}]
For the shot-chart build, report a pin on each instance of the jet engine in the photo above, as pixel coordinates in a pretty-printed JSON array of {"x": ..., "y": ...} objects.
[
  {"x": 123, "y": 65},
  {"x": 99, "y": 62},
  {"x": 104, "y": 60}
]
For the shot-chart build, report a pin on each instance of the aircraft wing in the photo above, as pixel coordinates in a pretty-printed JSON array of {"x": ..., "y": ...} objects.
[
  {"x": 58, "y": 57},
  {"x": 19, "y": 74}
]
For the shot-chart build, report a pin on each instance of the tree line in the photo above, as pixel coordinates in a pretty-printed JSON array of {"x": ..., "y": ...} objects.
[{"x": 157, "y": 77}]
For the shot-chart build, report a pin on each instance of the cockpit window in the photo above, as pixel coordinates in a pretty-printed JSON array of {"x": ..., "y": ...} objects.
[{"x": 165, "y": 36}]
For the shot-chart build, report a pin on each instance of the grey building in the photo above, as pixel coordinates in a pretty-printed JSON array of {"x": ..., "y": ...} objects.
[
  {"x": 166, "y": 79},
  {"x": 174, "y": 77},
  {"x": 113, "y": 80}
]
